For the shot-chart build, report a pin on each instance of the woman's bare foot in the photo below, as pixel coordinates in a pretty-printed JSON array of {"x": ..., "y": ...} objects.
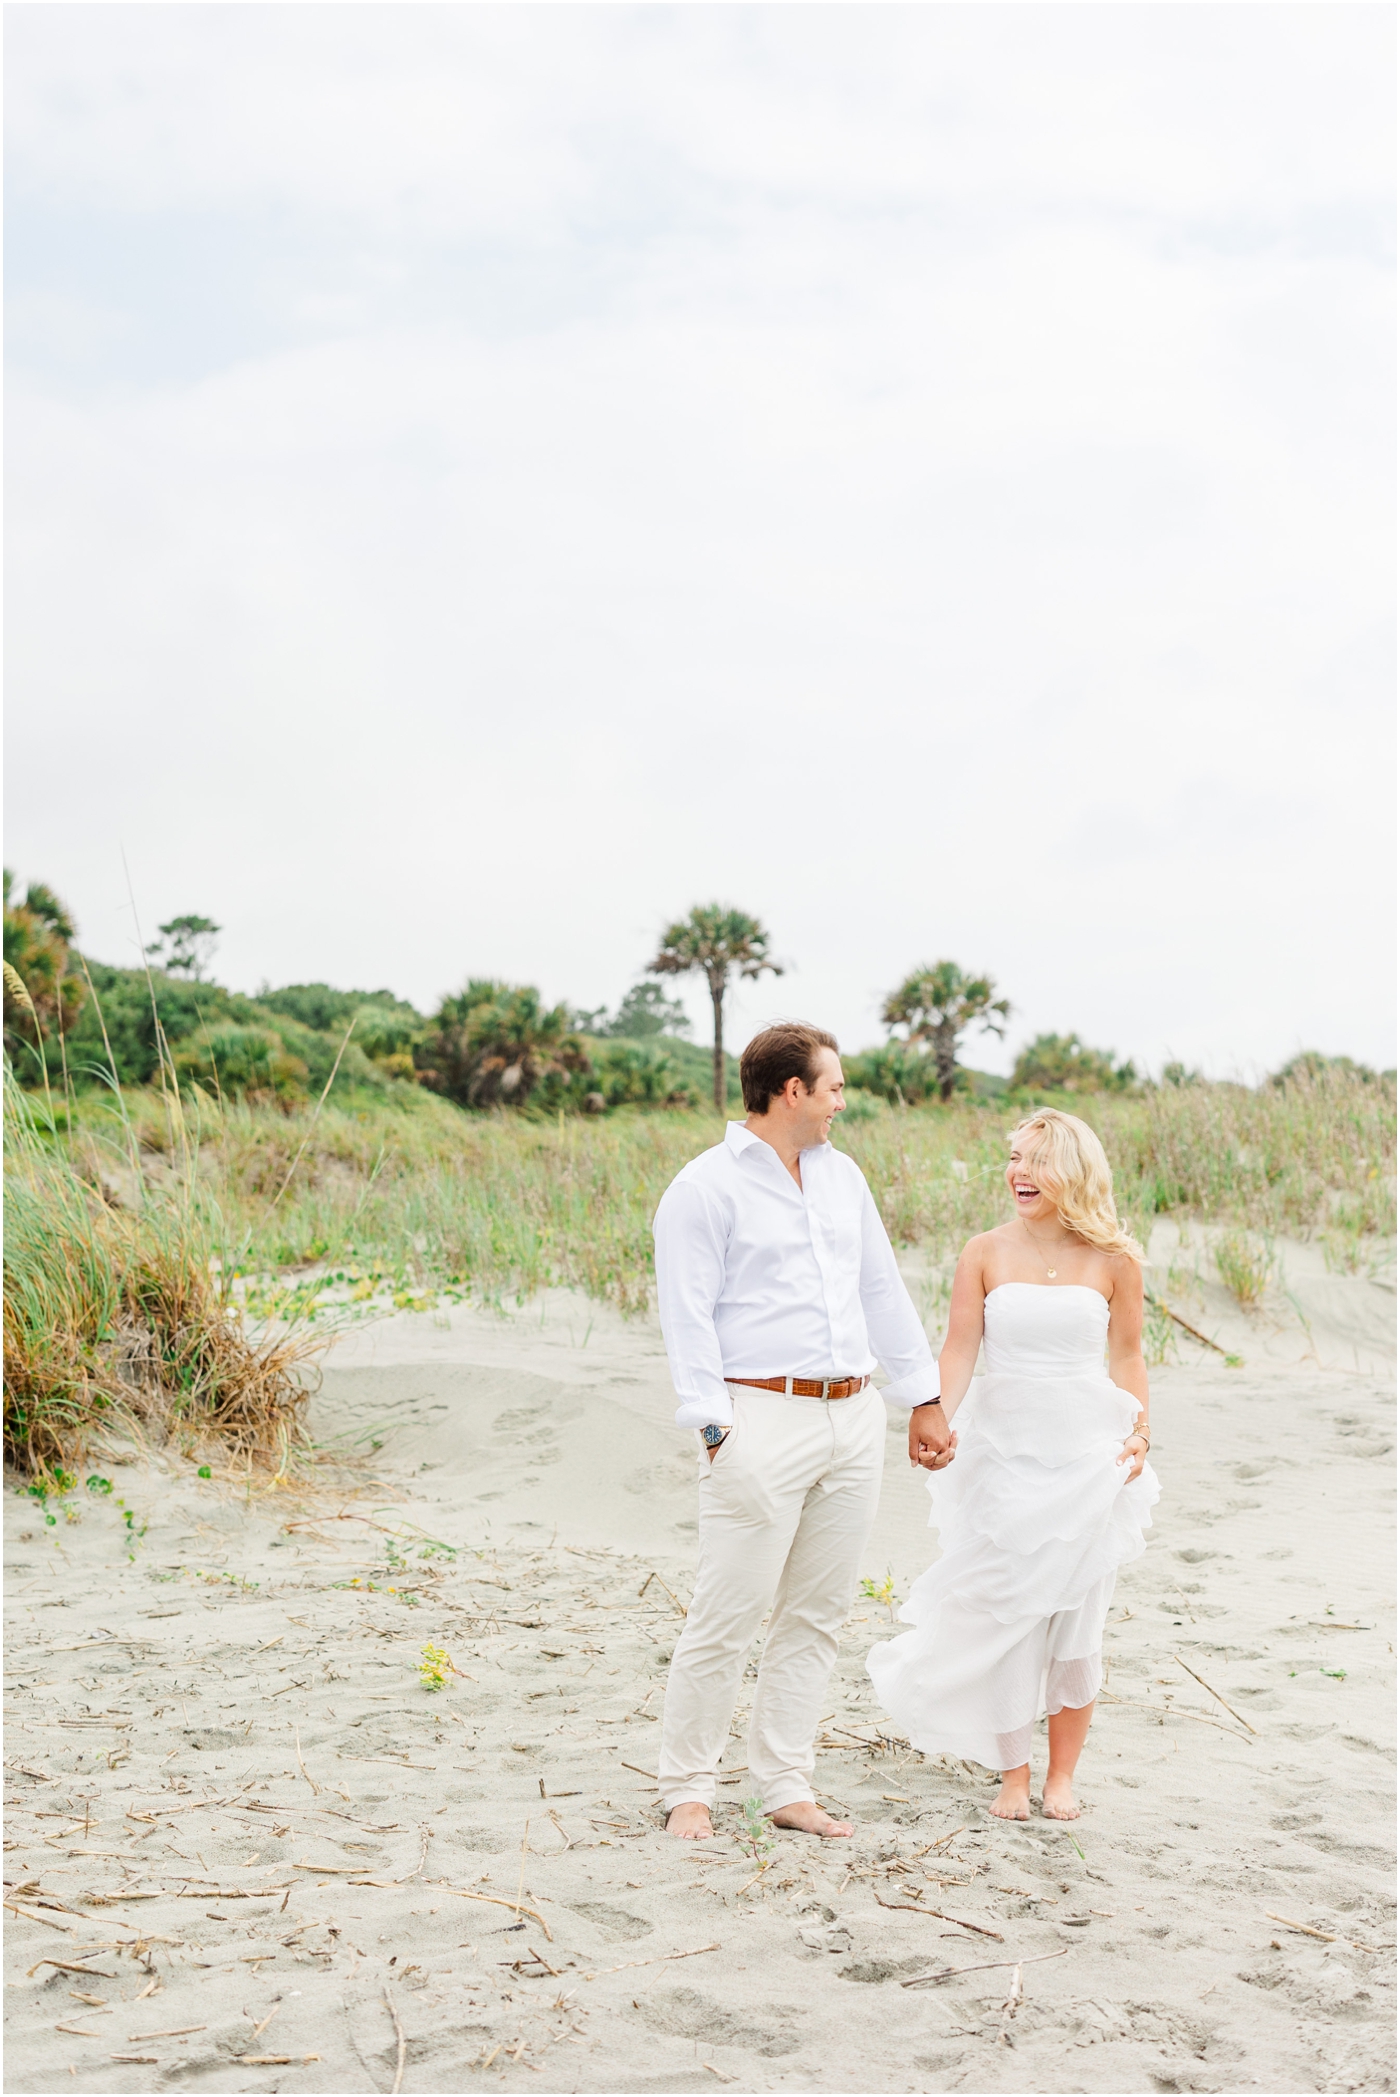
[
  {"x": 806, "y": 1815},
  {"x": 690, "y": 1822},
  {"x": 1013, "y": 1801},
  {"x": 1057, "y": 1799}
]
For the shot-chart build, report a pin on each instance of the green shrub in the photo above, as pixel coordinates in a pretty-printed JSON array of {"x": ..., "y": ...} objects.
[
  {"x": 1062, "y": 1063},
  {"x": 242, "y": 1063},
  {"x": 227, "y": 1043},
  {"x": 38, "y": 937},
  {"x": 636, "y": 1074},
  {"x": 896, "y": 1071},
  {"x": 328, "y": 1011},
  {"x": 128, "y": 1004}
]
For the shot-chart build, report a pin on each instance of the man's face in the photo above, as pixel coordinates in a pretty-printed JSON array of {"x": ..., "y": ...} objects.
[{"x": 827, "y": 1098}]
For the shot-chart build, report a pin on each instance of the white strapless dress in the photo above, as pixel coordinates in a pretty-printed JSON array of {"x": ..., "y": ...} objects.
[{"x": 1034, "y": 1517}]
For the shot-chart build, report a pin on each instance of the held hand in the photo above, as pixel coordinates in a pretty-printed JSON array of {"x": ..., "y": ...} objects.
[
  {"x": 1134, "y": 1452},
  {"x": 932, "y": 1443}
]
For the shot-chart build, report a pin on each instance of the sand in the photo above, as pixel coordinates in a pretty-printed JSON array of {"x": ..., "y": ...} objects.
[{"x": 282, "y": 1864}]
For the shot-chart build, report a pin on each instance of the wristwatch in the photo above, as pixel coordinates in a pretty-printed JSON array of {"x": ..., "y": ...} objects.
[{"x": 712, "y": 1436}]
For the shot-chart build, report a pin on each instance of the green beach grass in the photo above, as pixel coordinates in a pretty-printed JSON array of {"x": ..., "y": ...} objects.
[
  {"x": 179, "y": 1234},
  {"x": 502, "y": 1205}
]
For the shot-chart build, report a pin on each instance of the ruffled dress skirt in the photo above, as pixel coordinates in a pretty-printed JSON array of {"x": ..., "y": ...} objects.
[{"x": 1034, "y": 1516}]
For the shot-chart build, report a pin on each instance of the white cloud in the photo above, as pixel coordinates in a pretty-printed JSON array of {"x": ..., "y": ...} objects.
[{"x": 485, "y": 478}]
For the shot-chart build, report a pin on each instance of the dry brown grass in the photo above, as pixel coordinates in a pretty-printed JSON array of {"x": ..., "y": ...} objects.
[{"x": 121, "y": 1320}]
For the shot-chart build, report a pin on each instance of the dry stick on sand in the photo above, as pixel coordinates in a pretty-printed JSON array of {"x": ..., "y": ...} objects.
[
  {"x": 628, "y": 1964},
  {"x": 1165, "y": 1711},
  {"x": 29, "y": 1916},
  {"x": 567, "y": 1839},
  {"x": 524, "y": 1851},
  {"x": 421, "y": 1862},
  {"x": 1306, "y": 1927},
  {"x": 942, "y": 1973},
  {"x": 941, "y": 1917},
  {"x": 496, "y": 1901},
  {"x": 662, "y": 1584},
  {"x": 302, "y": 1766},
  {"x": 1216, "y": 1694},
  {"x": 398, "y": 2034},
  {"x": 1015, "y": 1996},
  {"x": 67, "y": 1966},
  {"x": 1166, "y": 1308}
]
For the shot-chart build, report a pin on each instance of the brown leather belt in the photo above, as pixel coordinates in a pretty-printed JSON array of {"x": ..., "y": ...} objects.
[{"x": 805, "y": 1386}]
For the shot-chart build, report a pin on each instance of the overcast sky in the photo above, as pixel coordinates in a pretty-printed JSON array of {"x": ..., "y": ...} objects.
[{"x": 483, "y": 479}]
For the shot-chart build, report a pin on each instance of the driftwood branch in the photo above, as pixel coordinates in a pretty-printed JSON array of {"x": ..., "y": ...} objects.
[{"x": 942, "y": 1973}]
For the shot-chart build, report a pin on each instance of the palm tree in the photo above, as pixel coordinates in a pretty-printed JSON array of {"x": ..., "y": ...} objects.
[
  {"x": 718, "y": 943},
  {"x": 937, "y": 1005},
  {"x": 494, "y": 1043},
  {"x": 1062, "y": 1063}
]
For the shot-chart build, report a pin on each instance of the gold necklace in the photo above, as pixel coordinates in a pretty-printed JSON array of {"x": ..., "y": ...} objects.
[{"x": 1051, "y": 1271}]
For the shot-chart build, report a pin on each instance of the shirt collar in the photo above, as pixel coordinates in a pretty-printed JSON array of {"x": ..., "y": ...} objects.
[{"x": 739, "y": 1139}]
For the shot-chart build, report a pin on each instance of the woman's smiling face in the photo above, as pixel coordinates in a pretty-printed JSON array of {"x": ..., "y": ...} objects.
[{"x": 1031, "y": 1204}]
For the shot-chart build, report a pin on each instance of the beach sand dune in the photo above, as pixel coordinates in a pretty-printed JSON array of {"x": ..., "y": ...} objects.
[{"x": 249, "y": 1850}]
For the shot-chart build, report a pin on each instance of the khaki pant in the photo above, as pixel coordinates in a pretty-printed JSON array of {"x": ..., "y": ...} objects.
[{"x": 786, "y": 1508}]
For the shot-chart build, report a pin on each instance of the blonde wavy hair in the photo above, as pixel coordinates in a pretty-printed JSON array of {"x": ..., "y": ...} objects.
[{"x": 1069, "y": 1164}]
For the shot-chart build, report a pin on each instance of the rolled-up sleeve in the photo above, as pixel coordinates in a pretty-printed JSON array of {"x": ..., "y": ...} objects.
[
  {"x": 896, "y": 1335},
  {"x": 690, "y": 1246}
]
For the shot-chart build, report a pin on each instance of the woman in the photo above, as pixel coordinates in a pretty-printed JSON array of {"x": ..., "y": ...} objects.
[{"x": 1049, "y": 1489}]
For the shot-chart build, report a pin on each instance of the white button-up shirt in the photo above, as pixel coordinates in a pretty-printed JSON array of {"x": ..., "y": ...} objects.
[{"x": 759, "y": 1277}]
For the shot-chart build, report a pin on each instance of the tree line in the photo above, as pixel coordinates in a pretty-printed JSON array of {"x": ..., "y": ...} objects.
[{"x": 491, "y": 1044}]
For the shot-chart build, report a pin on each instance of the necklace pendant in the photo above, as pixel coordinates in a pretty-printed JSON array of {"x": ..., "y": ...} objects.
[{"x": 1051, "y": 1271}]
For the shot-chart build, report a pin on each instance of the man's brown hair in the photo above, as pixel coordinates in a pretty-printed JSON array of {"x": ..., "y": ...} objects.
[{"x": 788, "y": 1050}]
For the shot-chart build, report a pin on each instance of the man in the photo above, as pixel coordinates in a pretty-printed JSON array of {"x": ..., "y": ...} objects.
[{"x": 778, "y": 1292}]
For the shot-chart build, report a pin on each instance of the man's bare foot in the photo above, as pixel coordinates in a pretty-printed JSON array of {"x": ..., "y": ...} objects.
[
  {"x": 690, "y": 1822},
  {"x": 1013, "y": 1801},
  {"x": 1057, "y": 1800},
  {"x": 807, "y": 1816}
]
